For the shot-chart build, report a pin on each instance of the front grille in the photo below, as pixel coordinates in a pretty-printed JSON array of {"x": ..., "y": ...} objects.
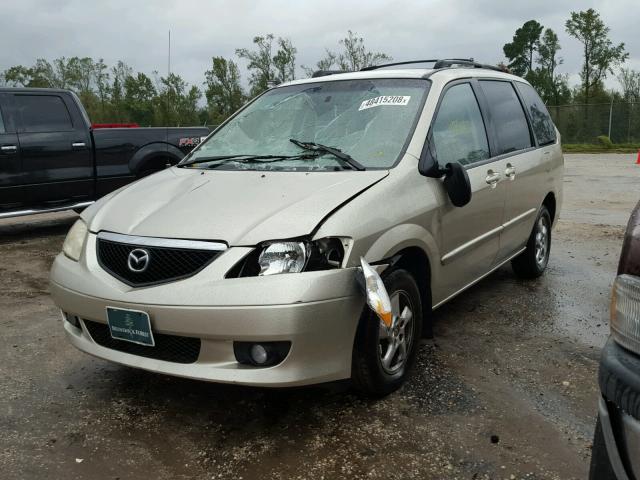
[
  {"x": 170, "y": 348},
  {"x": 165, "y": 263}
]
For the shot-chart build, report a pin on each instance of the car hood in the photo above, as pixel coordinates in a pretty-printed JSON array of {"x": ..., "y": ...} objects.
[{"x": 237, "y": 207}]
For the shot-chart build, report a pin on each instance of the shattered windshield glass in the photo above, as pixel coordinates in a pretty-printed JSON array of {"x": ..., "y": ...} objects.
[{"x": 367, "y": 120}]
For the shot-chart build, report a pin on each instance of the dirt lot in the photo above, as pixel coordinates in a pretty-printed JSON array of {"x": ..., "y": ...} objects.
[{"x": 506, "y": 390}]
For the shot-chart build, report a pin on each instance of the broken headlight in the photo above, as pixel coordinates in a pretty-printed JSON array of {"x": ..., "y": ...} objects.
[{"x": 290, "y": 256}]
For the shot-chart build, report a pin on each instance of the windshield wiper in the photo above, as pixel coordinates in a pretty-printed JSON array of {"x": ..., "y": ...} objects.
[
  {"x": 244, "y": 158},
  {"x": 336, "y": 152}
]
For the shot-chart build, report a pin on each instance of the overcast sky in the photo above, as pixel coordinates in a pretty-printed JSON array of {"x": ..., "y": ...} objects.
[{"x": 136, "y": 31}]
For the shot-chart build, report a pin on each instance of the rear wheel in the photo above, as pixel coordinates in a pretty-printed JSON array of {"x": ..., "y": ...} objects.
[
  {"x": 383, "y": 357},
  {"x": 533, "y": 261}
]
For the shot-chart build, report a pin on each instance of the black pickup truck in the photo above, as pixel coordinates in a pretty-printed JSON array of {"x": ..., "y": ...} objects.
[{"x": 51, "y": 158}]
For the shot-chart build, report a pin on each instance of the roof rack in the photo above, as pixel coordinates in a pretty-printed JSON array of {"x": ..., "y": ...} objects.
[
  {"x": 439, "y": 63},
  {"x": 324, "y": 73}
]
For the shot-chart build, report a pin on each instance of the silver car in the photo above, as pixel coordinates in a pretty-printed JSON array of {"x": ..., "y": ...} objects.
[{"x": 310, "y": 236}]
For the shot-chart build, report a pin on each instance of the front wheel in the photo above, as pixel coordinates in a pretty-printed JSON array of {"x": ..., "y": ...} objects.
[
  {"x": 533, "y": 261},
  {"x": 382, "y": 357}
]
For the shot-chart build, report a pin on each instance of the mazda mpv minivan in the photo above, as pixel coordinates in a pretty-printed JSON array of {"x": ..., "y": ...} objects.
[{"x": 310, "y": 236}]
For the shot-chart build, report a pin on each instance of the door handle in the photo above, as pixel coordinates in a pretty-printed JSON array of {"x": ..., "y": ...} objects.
[
  {"x": 78, "y": 145},
  {"x": 492, "y": 178},
  {"x": 510, "y": 172},
  {"x": 8, "y": 149}
]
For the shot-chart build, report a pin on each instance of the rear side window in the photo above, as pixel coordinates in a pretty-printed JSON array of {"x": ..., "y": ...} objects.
[
  {"x": 458, "y": 132},
  {"x": 43, "y": 113},
  {"x": 509, "y": 118},
  {"x": 541, "y": 122},
  {"x": 2, "y": 129}
]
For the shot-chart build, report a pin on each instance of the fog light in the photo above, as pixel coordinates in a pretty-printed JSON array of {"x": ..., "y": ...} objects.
[
  {"x": 72, "y": 319},
  {"x": 259, "y": 354},
  {"x": 263, "y": 354}
]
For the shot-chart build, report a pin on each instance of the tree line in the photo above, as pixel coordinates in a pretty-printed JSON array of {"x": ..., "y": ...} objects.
[{"x": 119, "y": 94}]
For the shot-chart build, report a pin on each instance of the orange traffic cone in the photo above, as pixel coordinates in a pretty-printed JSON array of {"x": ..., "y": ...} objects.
[{"x": 638, "y": 160}]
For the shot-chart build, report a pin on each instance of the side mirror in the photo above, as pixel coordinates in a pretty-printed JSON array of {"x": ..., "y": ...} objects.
[{"x": 457, "y": 184}]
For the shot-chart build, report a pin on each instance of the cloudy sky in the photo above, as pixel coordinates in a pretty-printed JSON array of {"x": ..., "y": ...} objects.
[{"x": 136, "y": 31}]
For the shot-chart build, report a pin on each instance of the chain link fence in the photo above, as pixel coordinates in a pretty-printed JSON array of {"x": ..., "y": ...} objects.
[{"x": 582, "y": 123}]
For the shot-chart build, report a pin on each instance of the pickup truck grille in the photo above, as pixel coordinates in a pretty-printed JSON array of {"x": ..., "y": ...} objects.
[{"x": 144, "y": 261}]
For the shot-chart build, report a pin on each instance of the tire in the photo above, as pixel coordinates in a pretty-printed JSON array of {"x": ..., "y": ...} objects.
[
  {"x": 601, "y": 468},
  {"x": 369, "y": 376},
  {"x": 533, "y": 261}
]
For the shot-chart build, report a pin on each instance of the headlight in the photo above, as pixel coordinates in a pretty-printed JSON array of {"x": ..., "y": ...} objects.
[
  {"x": 72, "y": 246},
  {"x": 283, "y": 257},
  {"x": 291, "y": 256},
  {"x": 625, "y": 312}
]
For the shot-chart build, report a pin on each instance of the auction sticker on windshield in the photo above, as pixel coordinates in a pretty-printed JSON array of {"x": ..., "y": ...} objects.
[{"x": 400, "y": 100}]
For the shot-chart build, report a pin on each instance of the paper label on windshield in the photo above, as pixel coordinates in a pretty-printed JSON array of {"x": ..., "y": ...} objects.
[{"x": 400, "y": 100}]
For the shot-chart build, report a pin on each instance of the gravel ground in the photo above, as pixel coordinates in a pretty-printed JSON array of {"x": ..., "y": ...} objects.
[{"x": 507, "y": 389}]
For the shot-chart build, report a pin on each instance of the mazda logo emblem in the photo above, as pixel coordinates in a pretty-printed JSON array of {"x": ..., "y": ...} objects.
[{"x": 138, "y": 260}]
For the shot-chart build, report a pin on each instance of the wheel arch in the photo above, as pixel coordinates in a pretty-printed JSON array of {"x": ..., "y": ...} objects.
[
  {"x": 550, "y": 202},
  {"x": 154, "y": 154}
]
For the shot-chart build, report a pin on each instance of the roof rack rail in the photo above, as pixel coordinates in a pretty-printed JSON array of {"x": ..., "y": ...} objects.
[
  {"x": 438, "y": 64},
  {"x": 394, "y": 64},
  {"x": 324, "y": 73}
]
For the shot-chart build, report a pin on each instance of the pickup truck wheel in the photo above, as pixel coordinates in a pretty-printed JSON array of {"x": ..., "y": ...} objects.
[
  {"x": 533, "y": 261},
  {"x": 382, "y": 358}
]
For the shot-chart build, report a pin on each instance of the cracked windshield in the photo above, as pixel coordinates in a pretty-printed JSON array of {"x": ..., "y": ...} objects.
[{"x": 323, "y": 126}]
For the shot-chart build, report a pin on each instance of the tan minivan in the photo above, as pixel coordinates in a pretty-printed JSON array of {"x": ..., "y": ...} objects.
[{"x": 310, "y": 236}]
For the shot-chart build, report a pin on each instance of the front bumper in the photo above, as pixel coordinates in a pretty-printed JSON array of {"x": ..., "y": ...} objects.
[
  {"x": 619, "y": 408},
  {"x": 317, "y": 312}
]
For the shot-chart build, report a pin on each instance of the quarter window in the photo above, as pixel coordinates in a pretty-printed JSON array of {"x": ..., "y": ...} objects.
[
  {"x": 541, "y": 122},
  {"x": 43, "y": 113},
  {"x": 512, "y": 130},
  {"x": 458, "y": 130}
]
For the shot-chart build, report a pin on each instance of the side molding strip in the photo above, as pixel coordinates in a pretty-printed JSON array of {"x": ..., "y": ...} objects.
[{"x": 485, "y": 236}]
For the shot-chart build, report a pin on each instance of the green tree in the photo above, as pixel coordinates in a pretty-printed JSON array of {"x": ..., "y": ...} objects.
[
  {"x": 353, "y": 56},
  {"x": 176, "y": 104},
  {"x": 325, "y": 63},
  {"x": 222, "y": 89},
  {"x": 284, "y": 61},
  {"x": 119, "y": 73},
  {"x": 520, "y": 51},
  {"x": 260, "y": 63},
  {"x": 139, "y": 97},
  {"x": 552, "y": 87},
  {"x": 265, "y": 67},
  {"x": 630, "y": 83},
  {"x": 600, "y": 54}
]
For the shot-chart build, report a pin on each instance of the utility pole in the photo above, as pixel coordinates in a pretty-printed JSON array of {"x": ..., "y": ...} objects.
[{"x": 610, "y": 115}]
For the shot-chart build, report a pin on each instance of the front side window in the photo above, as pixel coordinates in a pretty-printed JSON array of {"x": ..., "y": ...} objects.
[
  {"x": 369, "y": 119},
  {"x": 543, "y": 126},
  {"x": 43, "y": 113},
  {"x": 458, "y": 133},
  {"x": 512, "y": 130}
]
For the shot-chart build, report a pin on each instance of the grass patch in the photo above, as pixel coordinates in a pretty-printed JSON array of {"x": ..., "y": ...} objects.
[{"x": 593, "y": 148}]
